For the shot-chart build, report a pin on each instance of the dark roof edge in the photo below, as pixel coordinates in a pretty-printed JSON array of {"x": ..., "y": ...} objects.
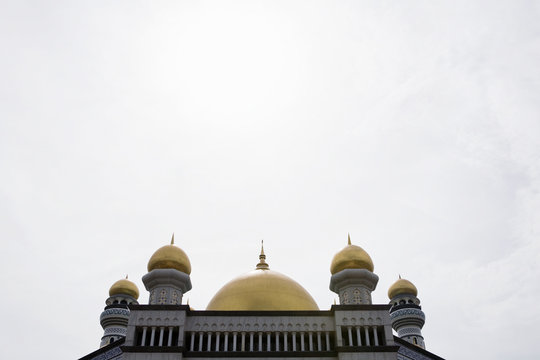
[
  {"x": 416, "y": 348},
  {"x": 104, "y": 349}
]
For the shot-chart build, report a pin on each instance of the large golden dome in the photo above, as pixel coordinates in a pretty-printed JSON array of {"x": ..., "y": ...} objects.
[
  {"x": 402, "y": 286},
  {"x": 262, "y": 289},
  {"x": 124, "y": 287},
  {"x": 351, "y": 257},
  {"x": 170, "y": 257}
]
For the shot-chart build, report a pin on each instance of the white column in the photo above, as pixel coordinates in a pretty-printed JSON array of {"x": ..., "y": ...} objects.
[
  {"x": 285, "y": 335},
  {"x": 234, "y": 341},
  {"x": 143, "y": 335},
  {"x": 161, "y": 332},
  {"x": 152, "y": 336},
  {"x": 192, "y": 345},
  {"x": 358, "y": 336},
  {"x": 339, "y": 338},
  {"x": 251, "y": 341},
  {"x": 268, "y": 342},
  {"x": 319, "y": 345},
  {"x": 302, "y": 348},
  {"x": 367, "y": 336},
  {"x": 200, "y": 340},
  {"x": 327, "y": 341},
  {"x": 218, "y": 336},
  {"x": 277, "y": 340},
  {"x": 226, "y": 342},
  {"x": 375, "y": 336},
  {"x": 349, "y": 332},
  {"x": 209, "y": 344},
  {"x": 260, "y": 341},
  {"x": 310, "y": 337},
  {"x": 180, "y": 340},
  {"x": 243, "y": 346},
  {"x": 169, "y": 341},
  {"x": 294, "y": 341}
]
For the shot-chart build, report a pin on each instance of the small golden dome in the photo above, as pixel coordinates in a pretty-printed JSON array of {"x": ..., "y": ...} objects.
[
  {"x": 402, "y": 286},
  {"x": 351, "y": 257},
  {"x": 124, "y": 287},
  {"x": 170, "y": 257},
  {"x": 262, "y": 289}
]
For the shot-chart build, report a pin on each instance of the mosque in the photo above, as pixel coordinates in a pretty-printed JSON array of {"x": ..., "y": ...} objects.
[{"x": 261, "y": 314}]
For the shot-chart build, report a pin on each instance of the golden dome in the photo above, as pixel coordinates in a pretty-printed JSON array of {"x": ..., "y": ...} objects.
[
  {"x": 170, "y": 257},
  {"x": 351, "y": 257},
  {"x": 402, "y": 286},
  {"x": 124, "y": 287},
  {"x": 262, "y": 289}
]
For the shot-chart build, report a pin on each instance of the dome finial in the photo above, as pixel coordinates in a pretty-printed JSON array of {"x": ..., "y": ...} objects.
[
  {"x": 126, "y": 276},
  {"x": 351, "y": 257},
  {"x": 402, "y": 286},
  {"x": 124, "y": 287},
  {"x": 399, "y": 276},
  {"x": 262, "y": 265},
  {"x": 170, "y": 257}
]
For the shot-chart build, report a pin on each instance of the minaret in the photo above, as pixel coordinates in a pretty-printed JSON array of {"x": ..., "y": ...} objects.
[
  {"x": 114, "y": 319},
  {"x": 352, "y": 275},
  {"x": 406, "y": 314},
  {"x": 168, "y": 275}
]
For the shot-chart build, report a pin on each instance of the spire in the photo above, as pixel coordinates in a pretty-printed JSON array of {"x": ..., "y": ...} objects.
[
  {"x": 262, "y": 265},
  {"x": 172, "y": 239},
  {"x": 348, "y": 239}
]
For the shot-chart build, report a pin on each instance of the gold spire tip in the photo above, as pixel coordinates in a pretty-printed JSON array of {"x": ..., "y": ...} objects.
[
  {"x": 262, "y": 265},
  {"x": 348, "y": 238},
  {"x": 172, "y": 239}
]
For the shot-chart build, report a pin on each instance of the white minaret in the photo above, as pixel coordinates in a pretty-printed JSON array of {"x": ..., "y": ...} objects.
[
  {"x": 352, "y": 275},
  {"x": 168, "y": 278},
  {"x": 406, "y": 314},
  {"x": 114, "y": 319}
]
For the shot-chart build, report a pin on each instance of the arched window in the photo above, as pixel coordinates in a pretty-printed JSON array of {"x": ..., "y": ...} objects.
[{"x": 415, "y": 342}]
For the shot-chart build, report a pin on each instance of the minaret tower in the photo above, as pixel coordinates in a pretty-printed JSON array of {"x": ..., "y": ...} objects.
[
  {"x": 352, "y": 275},
  {"x": 114, "y": 319},
  {"x": 406, "y": 314},
  {"x": 168, "y": 275}
]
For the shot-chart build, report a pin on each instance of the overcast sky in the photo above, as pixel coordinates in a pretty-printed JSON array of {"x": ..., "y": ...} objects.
[{"x": 413, "y": 125}]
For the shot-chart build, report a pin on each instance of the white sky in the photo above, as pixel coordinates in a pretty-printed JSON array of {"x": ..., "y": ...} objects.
[{"x": 414, "y": 126}]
